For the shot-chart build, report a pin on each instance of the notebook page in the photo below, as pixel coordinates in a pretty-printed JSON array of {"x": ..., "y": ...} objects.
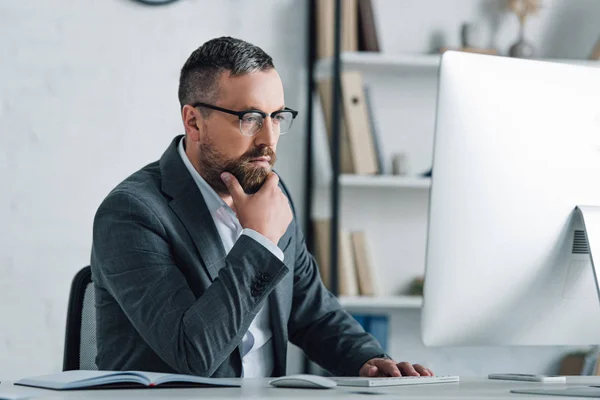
[{"x": 78, "y": 378}]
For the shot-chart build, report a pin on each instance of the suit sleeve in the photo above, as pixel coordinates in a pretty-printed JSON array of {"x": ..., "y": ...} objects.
[
  {"x": 328, "y": 334},
  {"x": 131, "y": 259}
]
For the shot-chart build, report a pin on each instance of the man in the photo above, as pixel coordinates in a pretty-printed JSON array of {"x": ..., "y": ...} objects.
[{"x": 198, "y": 262}]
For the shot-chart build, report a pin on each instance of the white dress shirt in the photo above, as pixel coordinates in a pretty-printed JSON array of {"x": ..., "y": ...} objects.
[{"x": 257, "y": 346}]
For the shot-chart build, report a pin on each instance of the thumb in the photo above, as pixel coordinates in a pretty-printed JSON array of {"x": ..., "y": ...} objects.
[{"x": 234, "y": 187}]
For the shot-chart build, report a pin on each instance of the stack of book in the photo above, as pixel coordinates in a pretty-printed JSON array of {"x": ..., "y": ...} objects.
[
  {"x": 360, "y": 152},
  {"x": 358, "y": 33},
  {"x": 581, "y": 363},
  {"x": 357, "y": 275}
]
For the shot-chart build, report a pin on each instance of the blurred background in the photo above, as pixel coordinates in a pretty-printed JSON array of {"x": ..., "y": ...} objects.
[{"x": 88, "y": 95}]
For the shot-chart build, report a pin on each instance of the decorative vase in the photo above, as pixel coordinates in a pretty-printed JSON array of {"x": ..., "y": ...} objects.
[{"x": 521, "y": 48}]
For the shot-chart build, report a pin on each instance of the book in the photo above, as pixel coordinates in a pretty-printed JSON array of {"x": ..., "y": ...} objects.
[
  {"x": 18, "y": 393},
  {"x": 358, "y": 127},
  {"x": 321, "y": 230},
  {"x": 325, "y": 26},
  {"x": 346, "y": 271},
  {"x": 322, "y": 171},
  {"x": 589, "y": 363},
  {"x": 596, "y": 51},
  {"x": 374, "y": 132},
  {"x": 367, "y": 28},
  {"x": 346, "y": 161},
  {"x": 365, "y": 268},
  {"x": 572, "y": 364},
  {"x": 80, "y": 379},
  {"x": 379, "y": 327},
  {"x": 347, "y": 282},
  {"x": 349, "y": 25},
  {"x": 361, "y": 319}
]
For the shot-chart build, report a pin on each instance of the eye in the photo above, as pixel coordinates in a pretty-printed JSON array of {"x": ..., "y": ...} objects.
[{"x": 251, "y": 118}]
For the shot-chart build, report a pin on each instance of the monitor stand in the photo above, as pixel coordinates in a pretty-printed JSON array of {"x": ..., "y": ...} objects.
[{"x": 591, "y": 224}]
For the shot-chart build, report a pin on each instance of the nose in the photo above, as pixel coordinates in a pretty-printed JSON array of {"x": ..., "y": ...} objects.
[{"x": 267, "y": 136}]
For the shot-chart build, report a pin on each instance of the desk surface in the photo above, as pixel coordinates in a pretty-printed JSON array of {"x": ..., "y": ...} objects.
[{"x": 467, "y": 388}]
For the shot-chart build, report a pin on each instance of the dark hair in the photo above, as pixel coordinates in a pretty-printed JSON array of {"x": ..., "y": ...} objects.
[{"x": 200, "y": 74}]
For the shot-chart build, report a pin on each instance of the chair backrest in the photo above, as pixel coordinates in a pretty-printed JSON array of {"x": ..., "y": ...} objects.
[{"x": 80, "y": 335}]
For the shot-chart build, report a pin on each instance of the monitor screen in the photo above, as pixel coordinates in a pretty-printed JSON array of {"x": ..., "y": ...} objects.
[{"x": 517, "y": 148}]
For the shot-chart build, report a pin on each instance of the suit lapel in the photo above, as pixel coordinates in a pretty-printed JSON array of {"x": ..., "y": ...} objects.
[{"x": 189, "y": 206}]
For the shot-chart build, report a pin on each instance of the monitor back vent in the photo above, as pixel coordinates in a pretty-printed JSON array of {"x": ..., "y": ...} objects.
[{"x": 580, "y": 243}]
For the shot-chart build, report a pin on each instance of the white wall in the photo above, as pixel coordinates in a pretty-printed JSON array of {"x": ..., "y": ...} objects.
[{"x": 88, "y": 95}]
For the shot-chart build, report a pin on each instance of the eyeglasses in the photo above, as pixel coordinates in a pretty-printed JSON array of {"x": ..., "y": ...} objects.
[{"x": 251, "y": 121}]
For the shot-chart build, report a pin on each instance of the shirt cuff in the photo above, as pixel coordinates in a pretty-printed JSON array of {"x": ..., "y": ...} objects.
[{"x": 269, "y": 245}]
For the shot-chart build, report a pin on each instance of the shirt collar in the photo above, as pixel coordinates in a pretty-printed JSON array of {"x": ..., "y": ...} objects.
[{"x": 212, "y": 199}]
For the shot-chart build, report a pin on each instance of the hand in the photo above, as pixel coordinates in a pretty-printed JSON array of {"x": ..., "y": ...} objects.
[
  {"x": 267, "y": 211},
  {"x": 386, "y": 367}
]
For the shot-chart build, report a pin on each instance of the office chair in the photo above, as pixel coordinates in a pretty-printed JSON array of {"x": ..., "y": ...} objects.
[{"x": 80, "y": 335}]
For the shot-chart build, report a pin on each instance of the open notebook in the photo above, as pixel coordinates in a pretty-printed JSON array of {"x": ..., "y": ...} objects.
[{"x": 69, "y": 380}]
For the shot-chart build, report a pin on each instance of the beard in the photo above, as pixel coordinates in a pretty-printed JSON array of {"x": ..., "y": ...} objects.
[{"x": 251, "y": 177}]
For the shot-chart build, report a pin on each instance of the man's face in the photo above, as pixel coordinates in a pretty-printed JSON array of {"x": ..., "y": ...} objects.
[{"x": 221, "y": 145}]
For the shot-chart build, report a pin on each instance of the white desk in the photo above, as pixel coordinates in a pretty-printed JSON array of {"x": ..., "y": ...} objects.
[{"x": 468, "y": 388}]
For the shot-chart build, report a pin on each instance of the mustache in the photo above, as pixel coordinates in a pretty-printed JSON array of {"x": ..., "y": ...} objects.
[{"x": 262, "y": 151}]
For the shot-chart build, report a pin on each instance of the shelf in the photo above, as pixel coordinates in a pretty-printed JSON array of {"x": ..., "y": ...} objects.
[
  {"x": 390, "y": 181},
  {"x": 403, "y": 63},
  {"x": 378, "y": 62},
  {"x": 366, "y": 303}
]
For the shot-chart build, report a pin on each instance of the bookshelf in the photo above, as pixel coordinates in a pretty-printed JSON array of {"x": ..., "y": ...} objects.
[
  {"x": 378, "y": 62},
  {"x": 402, "y": 93},
  {"x": 380, "y": 303},
  {"x": 369, "y": 63},
  {"x": 393, "y": 209},
  {"x": 384, "y": 181}
]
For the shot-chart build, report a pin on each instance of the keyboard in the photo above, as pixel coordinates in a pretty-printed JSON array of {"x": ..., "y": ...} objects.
[{"x": 394, "y": 381}]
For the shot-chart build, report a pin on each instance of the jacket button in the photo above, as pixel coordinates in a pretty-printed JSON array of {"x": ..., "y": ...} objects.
[
  {"x": 254, "y": 293},
  {"x": 258, "y": 286},
  {"x": 265, "y": 277}
]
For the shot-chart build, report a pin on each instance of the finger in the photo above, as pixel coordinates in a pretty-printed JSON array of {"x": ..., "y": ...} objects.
[
  {"x": 387, "y": 368},
  {"x": 365, "y": 370},
  {"x": 234, "y": 187},
  {"x": 272, "y": 180},
  {"x": 407, "y": 369},
  {"x": 421, "y": 370},
  {"x": 430, "y": 372},
  {"x": 373, "y": 371}
]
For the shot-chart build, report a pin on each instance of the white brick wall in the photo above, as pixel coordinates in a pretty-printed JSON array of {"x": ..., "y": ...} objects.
[{"x": 88, "y": 95}]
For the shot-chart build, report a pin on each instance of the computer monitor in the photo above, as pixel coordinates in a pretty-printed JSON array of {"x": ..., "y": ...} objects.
[{"x": 517, "y": 149}]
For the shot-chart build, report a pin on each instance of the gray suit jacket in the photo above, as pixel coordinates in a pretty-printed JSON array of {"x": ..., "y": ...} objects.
[{"x": 169, "y": 299}]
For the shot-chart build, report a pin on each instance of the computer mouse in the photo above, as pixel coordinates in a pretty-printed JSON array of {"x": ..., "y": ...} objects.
[{"x": 303, "y": 381}]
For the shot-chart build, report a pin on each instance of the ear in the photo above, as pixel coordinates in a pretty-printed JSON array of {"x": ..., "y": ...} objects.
[{"x": 192, "y": 122}]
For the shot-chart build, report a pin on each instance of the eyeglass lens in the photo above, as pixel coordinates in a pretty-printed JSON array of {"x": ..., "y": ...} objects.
[{"x": 252, "y": 122}]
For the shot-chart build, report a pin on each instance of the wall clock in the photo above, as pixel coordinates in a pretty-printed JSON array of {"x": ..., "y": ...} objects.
[{"x": 156, "y": 2}]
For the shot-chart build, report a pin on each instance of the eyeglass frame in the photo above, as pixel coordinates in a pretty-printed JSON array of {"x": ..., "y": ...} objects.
[{"x": 240, "y": 114}]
